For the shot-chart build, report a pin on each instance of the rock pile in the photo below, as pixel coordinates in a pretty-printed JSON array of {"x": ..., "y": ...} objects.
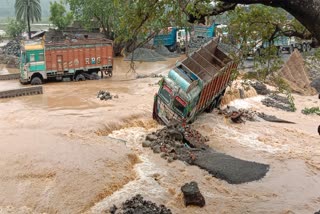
[
  {"x": 176, "y": 142},
  {"x": 163, "y": 51},
  {"x": 196, "y": 42},
  {"x": 277, "y": 101},
  {"x": 10, "y": 60},
  {"x": 144, "y": 55},
  {"x": 185, "y": 144},
  {"x": 12, "y": 48},
  {"x": 260, "y": 88},
  {"x": 192, "y": 195},
  {"x": 105, "y": 95},
  {"x": 138, "y": 205}
]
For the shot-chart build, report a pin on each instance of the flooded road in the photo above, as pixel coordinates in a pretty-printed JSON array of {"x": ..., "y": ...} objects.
[{"x": 68, "y": 152}]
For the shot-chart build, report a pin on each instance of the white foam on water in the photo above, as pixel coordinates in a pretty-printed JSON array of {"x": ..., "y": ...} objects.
[
  {"x": 246, "y": 103},
  {"x": 250, "y": 140},
  {"x": 144, "y": 184}
]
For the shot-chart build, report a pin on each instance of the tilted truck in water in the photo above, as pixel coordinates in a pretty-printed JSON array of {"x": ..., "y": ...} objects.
[
  {"x": 76, "y": 59},
  {"x": 194, "y": 85}
]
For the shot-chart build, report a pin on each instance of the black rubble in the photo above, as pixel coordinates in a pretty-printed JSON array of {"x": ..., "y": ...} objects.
[
  {"x": 137, "y": 205},
  {"x": 277, "y": 101},
  {"x": 176, "y": 142},
  {"x": 105, "y": 95},
  {"x": 192, "y": 195},
  {"x": 260, "y": 88}
]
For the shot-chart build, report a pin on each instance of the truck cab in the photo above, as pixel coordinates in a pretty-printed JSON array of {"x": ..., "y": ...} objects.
[
  {"x": 178, "y": 95},
  {"x": 32, "y": 62}
]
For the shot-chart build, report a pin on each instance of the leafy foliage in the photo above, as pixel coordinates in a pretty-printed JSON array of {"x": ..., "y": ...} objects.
[
  {"x": 59, "y": 16},
  {"x": 312, "y": 110},
  {"x": 15, "y": 28}
]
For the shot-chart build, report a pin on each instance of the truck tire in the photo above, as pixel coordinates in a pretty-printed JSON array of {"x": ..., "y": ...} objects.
[
  {"x": 304, "y": 47},
  {"x": 308, "y": 47},
  {"x": 210, "y": 108},
  {"x": 172, "y": 48},
  {"x": 291, "y": 49},
  {"x": 80, "y": 77},
  {"x": 36, "y": 81}
]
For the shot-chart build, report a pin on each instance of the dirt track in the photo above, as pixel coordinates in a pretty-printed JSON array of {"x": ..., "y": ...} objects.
[{"x": 56, "y": 157}]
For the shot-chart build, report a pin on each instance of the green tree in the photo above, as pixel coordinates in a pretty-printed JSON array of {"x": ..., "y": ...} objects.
[
  {"x": 59, "y": 15},
  {"x": 15, "y": 28},
  {"x": 28, "y": 11}
]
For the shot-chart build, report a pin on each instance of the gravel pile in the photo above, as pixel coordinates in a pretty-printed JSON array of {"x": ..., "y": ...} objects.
[
  {"x": 163, "y": 51},
  {"x": 12, "y": 48},
  {"x": 137, "y": 205},
  {"x": 10, "y": 60},
  {"x": 145, "y": 55},
  {"x": 196, "y": 43},
  {"x": 277, "y": 101}
]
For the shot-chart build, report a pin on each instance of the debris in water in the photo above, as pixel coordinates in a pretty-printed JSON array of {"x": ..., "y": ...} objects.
[
  {"x": 104, "y": 95},
  {"x": 260, "y": 88},
  {"x": 192, "y": 195},
  {"x": 274, "y": 119},
  {"x": 185, "y": 144},
  {"x": 271, "y": 118},
  {"x": 239, "y": 115},
  {"x": 277, "y": 101},
  {"x": 312, "y": 110},
  {"x": 138, "y": 205}
]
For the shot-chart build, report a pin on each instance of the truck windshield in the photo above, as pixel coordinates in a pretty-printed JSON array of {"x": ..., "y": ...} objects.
[
  {"x": 166, "y": 92},
  {"x": 179, "y": 104}
]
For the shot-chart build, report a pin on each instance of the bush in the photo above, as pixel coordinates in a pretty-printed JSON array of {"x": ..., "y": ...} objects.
[{"x": 15, "y": 28}]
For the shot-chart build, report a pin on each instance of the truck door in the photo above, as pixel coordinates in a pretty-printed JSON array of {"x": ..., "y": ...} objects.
[{"x": 60, "y": 63}]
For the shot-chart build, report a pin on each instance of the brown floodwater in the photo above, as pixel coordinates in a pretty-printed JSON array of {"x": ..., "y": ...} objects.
[{"x": 65, "y": 151}]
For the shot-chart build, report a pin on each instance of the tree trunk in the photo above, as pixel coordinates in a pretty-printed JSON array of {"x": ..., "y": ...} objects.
[
  {"x": 28, "y": 20},
  {"x": 305, "y": 11}
]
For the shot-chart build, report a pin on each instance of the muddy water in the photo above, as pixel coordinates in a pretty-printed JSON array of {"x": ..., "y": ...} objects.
[{"x": 67, "y": 152}]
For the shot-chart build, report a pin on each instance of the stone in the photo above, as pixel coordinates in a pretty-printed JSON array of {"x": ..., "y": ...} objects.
[
  {"x": 146, "y": 144},
  {"x": 192, "y": 195},
  {"x": 151, "y": 137}
]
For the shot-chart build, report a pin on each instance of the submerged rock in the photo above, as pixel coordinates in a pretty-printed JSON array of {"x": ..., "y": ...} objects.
[{"x": 192, "y": 195}]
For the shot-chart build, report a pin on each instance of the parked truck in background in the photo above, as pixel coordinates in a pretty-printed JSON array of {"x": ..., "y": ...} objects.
[
  {"x": 172, "y": 38},
  {"x": 204, "y": 31},
  {"x": 194, "y": 85},
  {"x": 77, "y": 59},
  {"x": 284, "y": 43}
]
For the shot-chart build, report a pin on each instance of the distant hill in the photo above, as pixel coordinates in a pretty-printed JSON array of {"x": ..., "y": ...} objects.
[{"x": 7, "y": 8}]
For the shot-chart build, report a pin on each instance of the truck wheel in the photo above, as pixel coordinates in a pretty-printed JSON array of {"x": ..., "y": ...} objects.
[
  {"x": 80, "y": 77},
  {"x": 210, "y": 108},
  {"x": 291, "y": 49},
  {"x": 36, "y": 81},
  {"x": 304, "y": 47},
  {"x": 172, "y": 48},
  {"x": 308, "y": 47}
]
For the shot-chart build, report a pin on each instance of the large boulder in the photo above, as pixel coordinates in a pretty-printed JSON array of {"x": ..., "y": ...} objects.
[{"x": 192, "y": 195}]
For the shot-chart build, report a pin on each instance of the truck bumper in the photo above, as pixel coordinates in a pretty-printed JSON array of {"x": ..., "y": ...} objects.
[
  {"x": 24, "y": 81},
  {"x": 163, "y": 114}
]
